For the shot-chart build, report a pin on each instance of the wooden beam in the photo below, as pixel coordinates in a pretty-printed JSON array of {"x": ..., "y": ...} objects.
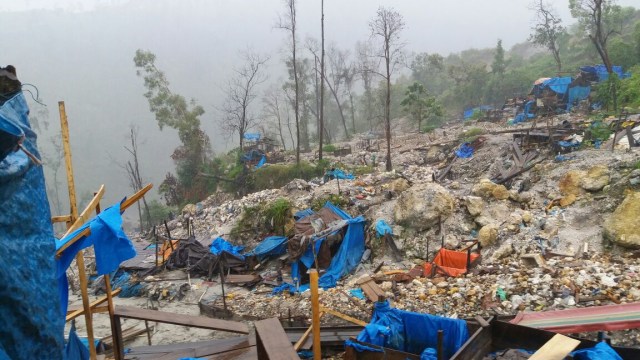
[
  {"x": 87, "y": 212},
  {"x": 74, "y": 314},
  {"x": 556, "y": 349},
  {"x": 304, "y": 336},
  {"x": 343, "y": 316},
  {"x": 64, "y": 129},
  {"x": 315, "y": 312},
  {"x": 135, "y": 197},
  {"x": 179, "y": 319},
  {"x": 61, "y": 219},
  {"x": 272, "y": 342}
]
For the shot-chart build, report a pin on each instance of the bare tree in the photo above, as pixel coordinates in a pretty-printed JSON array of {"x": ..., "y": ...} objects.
[
  {"x": 335, "y": 78},
  {"x": 321, "y": 110},
  {"x": 547, "y": 29},
  {"x": 241, "y": 91},
  {"x": 135, "y": 179},
  {"x": 387, "y": 26},
  {"x": 349, "y": 75},
  {"x": 365, "y": 68},
  {"x": 288, "y": 23},
  {"x": 273, "y": 110}
]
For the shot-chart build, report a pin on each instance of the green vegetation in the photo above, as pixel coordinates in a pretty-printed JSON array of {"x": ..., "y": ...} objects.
[
  {"x": 471, "y": 134},
  {"x": 329, "y": 148},
  {"x": 269, "y": 218},
  {"x": 629, "y": 94},
  {"x": 278, "y": 175},
  {"x": 278, "y": 213},
  {"x": 420, "y": 105},
  {"x": 340, "y": 201},
  {"x": 159, "y": 212}
]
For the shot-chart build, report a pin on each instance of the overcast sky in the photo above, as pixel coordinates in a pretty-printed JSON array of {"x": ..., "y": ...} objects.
[{"x": 433, "y": 25}]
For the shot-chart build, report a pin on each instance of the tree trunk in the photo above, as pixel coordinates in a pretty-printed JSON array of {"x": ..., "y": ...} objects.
[
  {"x": 387, "y": 110},
  {"x": 353, "y": 114},
  {"x": 321, "y": 132},
  {"x": 344, "y": 121}
]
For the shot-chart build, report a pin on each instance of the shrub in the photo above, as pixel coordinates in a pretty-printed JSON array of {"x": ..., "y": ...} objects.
[
  {"x": 329, "y": 148},
  {"x": 471, "y": 134}
]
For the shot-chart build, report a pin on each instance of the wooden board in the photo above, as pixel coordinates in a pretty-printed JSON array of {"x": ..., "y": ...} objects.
[
  {"x": 556, "y": 349},
  {"x": 178, "y": 319},
  {"x": 272, "y": 342}
]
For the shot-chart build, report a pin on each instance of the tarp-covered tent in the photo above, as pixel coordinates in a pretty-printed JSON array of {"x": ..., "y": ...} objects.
[
  {"x": 411, "y": 332},
  {"x": 32, "y": 327},
  {"x": 343, "y": 261},
  {"x": 270, "y": 246},
  {"x": 600, "y": 71},
  {"x": 450, "y": 263}
]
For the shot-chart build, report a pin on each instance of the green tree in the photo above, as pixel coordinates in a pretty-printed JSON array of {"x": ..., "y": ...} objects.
[
  {"x": 499, "y": 64},
  {"x": 547, "y": 30},
  {"x": 420, "y": 105},
  {"x": 174, "y": 111}
]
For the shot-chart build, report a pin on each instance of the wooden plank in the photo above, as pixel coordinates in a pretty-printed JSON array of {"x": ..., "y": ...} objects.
[
  {"x": 87, "y": 212},
  {"x": 304, "y": 336},
  {"x": 272, "y": 342},
  {"x": 343, "y": 316},
  {"x": 556, "y": 349},
  {"x": 61, "y": 218},
  {"x": 179, "y": 319},
  {"x": 93, "y": 304},
  {"x": 240, "y": 279},
  {"x": 369, "y": 292}
]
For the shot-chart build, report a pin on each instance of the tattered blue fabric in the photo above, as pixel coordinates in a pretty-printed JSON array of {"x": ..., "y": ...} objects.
[
  {"x": 252, "y": 136},
  {"x": 383, "y": 228},
  {"x": 465, "y": 151},
  {"x": 338, "y": 174},
  {"x": 219, "y": 245},
  {"x": 577, "y": 94},
  {"x": 263, "y": 160},
  {"x": 110, "y": 243},
  {"x": 413, "y": 332},
  {"x": 75, "y": 348},
  {"x": 302, "y": 214},
  {"x": 270, "y": 246},
  {"x": 32, "y": 327},
  {"x": 558, "y": 84},
  {"x": 602, "y": 351}
]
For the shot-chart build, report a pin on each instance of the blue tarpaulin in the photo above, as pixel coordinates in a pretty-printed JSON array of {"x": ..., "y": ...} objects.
[
  {"x": 253, "y": 155},
  {"x": 526, "y": 114},
  {"x": 219, "y": 245},
  {"x": 411, "y": 332},
  {"x": 602, "y": 351},
  {"x": 383, "y": 228},
  {"x": 465, "y": 151},
  {"x": 338, "y": 174},
  {"x": 468, "y": 113},
  {"x": 252, "y": 136},
  {"x": 270, "y": 246},
  {"x": 302, "y": 214},
  {"x": 343, "y": 262},
  {"x": 601, "y": 71},
  {"x": 263, "y": 160},
  {"x": 75, "y": 349},
  {"x": 559, "y": 85},
  {"x": 577, "y": 94},
  {"x": 32, "y": 327},
  {"x": 111, "y": 245}
]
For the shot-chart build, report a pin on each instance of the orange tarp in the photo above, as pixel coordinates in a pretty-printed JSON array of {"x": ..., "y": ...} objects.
[{"x": 450, "y": 263}]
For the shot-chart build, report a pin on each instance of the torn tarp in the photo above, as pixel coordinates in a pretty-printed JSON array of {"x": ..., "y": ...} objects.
[
  {"x": 383, "y": 228},
  {"x": 464, "y": 151},
  {"x": 270, "y": 246},
  {"x": 220, "y": 245},
  {"x": 411, "y": 332},
  {"x": 337, "y": 174}
]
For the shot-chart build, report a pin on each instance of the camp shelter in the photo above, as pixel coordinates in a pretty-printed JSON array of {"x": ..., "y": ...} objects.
[
  {"x": 332, "y": 239},
  {"x": 452, "y": 263}
]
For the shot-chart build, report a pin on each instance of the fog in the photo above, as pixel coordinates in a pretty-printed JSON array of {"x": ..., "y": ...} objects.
[{"x": 81, "y": 52}]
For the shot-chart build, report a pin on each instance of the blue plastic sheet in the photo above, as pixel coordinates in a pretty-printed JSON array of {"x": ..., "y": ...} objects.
[
  {"x": 465, "y": 151},
  {"x": 412, "y": 332},
  {"x": 252, "y": 136},
  {"x": 601, "y": 71},
  {"x": 559, "y": 85},
  {"x": 468, "y": 113},
  {"x": 111, "y": 245},
  {"x": 383, "y": 228},
  {"x": 32, "y": 327},
  {"x": 270, "y": 246},
  {"x": 338, "y": 174},
  {"x": 219, "y": 245},
  {"x": 302, "y": 214},
  {"x": 357, "y": 293},
  {"x": 263, "y": 160},
  {"x": 577, "y": 94},
  {"x": 75, "y": 349},
  {"x": 569, "y": 144},
  {"x": 602, "y": 351}
]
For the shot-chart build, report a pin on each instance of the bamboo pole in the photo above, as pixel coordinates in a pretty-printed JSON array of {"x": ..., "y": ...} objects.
[
  {"x": 315, "y": 307},
  {"x": 73, "y": 205}
]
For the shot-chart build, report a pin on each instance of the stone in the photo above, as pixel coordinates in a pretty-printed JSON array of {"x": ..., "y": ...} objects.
[
  {"x": 623, "y": 226},
  {"x": 399, "y": 185},
  {"x": 635, "y": 173},
  {"x": 451, "y": 241},
  {"x": 496, "y": 213},
  {"x": 567, "y": 200},
  {"x": 596, "y": 178},
  {"x": 570, "y": 182},
  {"x": 474, "y": 205},
  {"x": 189, "y": 209},
  {"x": 484, "y": 188},
  {"x": 421, "y": 206},
  {"x": 503, "y": 251},
  {"x": 527, "y": 217},
  {"x": 488, "y": 235},
  {"x": 500, "y": 192}
]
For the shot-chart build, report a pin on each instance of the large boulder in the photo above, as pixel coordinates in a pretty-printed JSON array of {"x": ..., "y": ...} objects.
[
  {"x": 474, "y": 205},
  {"x": 596, "y": 178},
  {"x": 488, "y": 235},
  {"x": 570, "y": 183},
  {"x": 422, "y": 205},
  {"x": 484, "y": 188},
  {"x": 495, "y": 213},
  {"x": 623, "y": 226}
]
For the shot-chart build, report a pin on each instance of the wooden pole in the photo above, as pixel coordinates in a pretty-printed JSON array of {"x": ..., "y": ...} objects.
[
  {"x": 315, "y": 308},
  {"x": 64, "y": 126}
]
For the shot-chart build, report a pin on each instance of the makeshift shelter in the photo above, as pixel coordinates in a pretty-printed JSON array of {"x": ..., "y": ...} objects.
[
  {"x": 452, "y": 263},
  {"x": 410, "y": 332},
  {"x": 330, "y": 238}
]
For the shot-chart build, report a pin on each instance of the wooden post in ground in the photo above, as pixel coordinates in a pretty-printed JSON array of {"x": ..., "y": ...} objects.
[
  {"x": 315, "y": 308},
  {"x": 64, "y": 126}
]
